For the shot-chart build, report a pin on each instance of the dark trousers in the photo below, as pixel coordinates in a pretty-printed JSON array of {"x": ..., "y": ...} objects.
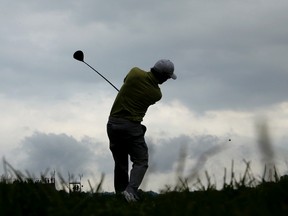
[{"x": 127, "y": 139}]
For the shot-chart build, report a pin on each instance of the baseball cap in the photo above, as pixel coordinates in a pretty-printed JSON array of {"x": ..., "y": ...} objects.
[{"x": 166, "y": 67}]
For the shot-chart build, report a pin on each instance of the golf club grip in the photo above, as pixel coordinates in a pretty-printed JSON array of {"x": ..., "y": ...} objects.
[{"x": 101, "y": 76}]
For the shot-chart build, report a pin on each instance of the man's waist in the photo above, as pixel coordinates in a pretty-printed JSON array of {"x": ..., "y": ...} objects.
[{"x": 122, "y": 119}]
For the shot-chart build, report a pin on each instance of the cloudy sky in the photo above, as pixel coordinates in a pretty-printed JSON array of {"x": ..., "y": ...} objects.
[{"x": 230, "y": 57}]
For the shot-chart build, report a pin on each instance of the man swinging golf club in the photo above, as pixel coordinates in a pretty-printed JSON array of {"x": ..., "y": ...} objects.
[{"x": 125, "y": 131}]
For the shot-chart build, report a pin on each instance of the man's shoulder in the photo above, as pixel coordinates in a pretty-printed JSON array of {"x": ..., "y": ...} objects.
[{"x": 137, "y": 70}]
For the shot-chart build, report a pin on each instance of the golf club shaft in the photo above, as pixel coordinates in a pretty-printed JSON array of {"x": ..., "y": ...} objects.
[{"x": 102, "y": 76}]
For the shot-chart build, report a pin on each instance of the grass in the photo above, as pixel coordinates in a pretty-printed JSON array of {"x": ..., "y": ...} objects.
[{"x": 243, "y": 196}]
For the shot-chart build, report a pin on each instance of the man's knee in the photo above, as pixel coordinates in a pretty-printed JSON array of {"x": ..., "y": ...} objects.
[{"x": 143, "y": 163}]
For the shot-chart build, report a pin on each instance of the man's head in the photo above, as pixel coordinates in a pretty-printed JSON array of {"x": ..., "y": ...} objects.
[{"x": 163, "y": 70}]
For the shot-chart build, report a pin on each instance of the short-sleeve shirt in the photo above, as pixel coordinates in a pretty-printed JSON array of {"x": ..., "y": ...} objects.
[{"x": 139, "y": 91}]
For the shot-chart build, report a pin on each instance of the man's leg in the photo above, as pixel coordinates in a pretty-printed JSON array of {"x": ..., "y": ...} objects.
[
  {"x": 121, "y": 177},
  {"x": 139, "y": 156},
  {"x": 120, "y": 155}
]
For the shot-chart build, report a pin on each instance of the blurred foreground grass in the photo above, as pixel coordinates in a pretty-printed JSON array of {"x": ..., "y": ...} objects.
[{"x": 243, "y": 196}]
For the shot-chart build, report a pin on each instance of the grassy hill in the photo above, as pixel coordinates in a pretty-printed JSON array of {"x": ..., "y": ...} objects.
[{"x": 242, "y": 197}]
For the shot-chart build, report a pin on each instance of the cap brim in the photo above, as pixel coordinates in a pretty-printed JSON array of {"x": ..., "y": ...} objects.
[{"x": 173, "y": 76}]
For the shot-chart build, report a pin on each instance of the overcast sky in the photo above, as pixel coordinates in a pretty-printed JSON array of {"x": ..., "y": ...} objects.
[{"x": 230, "y": 57}]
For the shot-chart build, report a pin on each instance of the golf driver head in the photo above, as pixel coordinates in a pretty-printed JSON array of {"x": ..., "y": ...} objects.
[{"x": 79, "y": 55}]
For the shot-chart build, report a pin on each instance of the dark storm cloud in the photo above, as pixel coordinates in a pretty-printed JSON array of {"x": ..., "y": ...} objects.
[
  {"x": 64, "y": 153},
  {"x": 169, "y": 152},
  {"x": 61, "y": 153},
  {"x": 227, "y": 54}
]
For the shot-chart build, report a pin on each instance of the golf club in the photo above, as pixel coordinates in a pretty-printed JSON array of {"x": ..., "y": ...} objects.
[{"x": 79, "y": 55}]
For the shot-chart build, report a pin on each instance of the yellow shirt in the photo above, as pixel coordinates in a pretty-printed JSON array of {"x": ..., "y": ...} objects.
[{"x": 139, "y": 91}]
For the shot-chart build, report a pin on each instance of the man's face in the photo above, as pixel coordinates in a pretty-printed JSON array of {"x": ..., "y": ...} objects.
[{"x": 163, "y": 79}]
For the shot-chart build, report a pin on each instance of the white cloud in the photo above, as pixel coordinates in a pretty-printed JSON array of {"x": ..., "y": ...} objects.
[{"x": 175, "y": 118}]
